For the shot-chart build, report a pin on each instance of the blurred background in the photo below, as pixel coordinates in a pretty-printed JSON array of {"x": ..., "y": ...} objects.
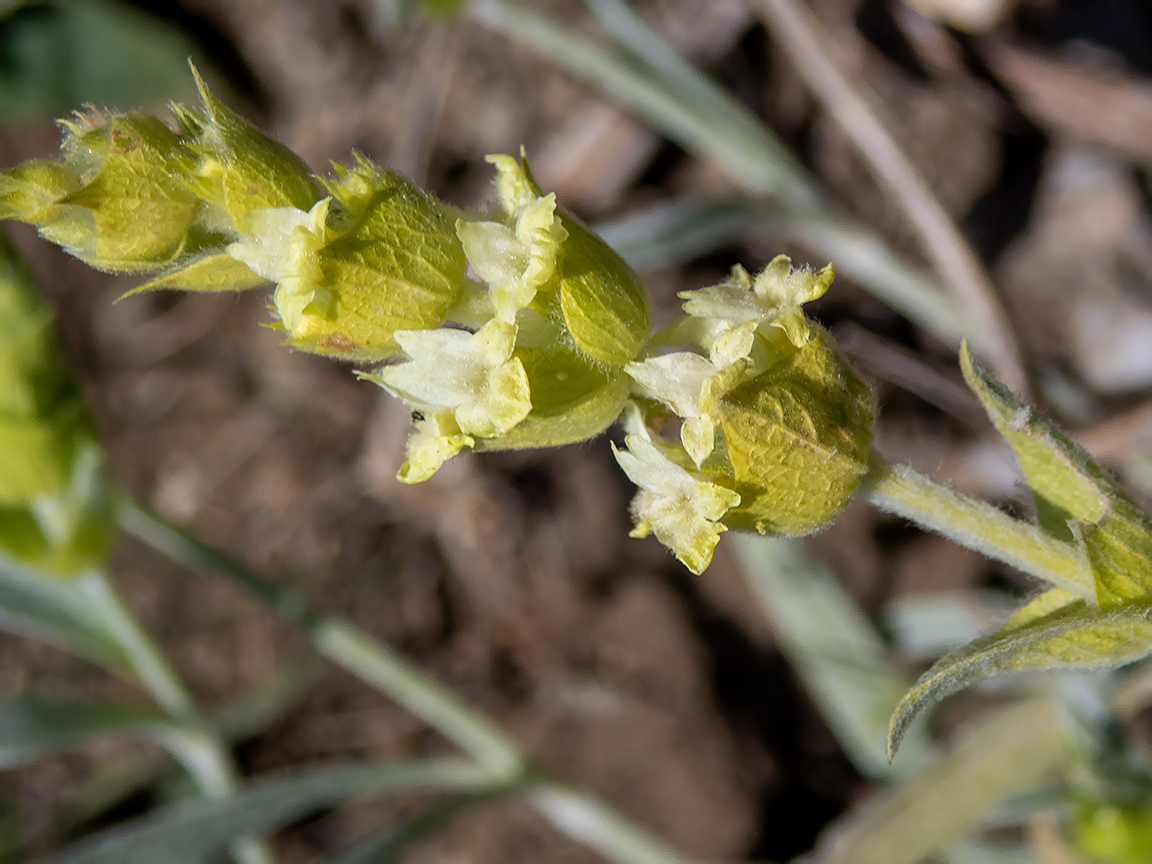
[{"x": 510, "y": 576}]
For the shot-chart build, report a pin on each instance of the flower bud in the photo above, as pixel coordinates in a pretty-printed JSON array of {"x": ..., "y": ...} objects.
[{"x": 119, "y": 201}]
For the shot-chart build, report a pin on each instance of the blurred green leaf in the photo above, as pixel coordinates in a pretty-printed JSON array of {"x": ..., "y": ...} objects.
[
  {"x": 55, "y": 512},
  {"x": 55, "y": 612},
  {"x": 251, "y": 713},
  {"x": 32, "y": 727},
  {"x": 674, "y": 232},
  {"x": 55, "y": 56},
  {"x": 386, "y": 844},
  {"x": 189, "y": 831},
  {"x": 924, "y": 626},
  {"x": 390, "y": 14},
  {"x": 834, "y": 649},
  {"x": 1012, "y": 750}
]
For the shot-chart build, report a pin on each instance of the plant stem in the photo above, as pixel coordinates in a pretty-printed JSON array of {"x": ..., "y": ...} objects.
[
  {"x": 576, "y": 814},
  {"x": 190, "y": 741},
  {"x": 977, "y": 525}
]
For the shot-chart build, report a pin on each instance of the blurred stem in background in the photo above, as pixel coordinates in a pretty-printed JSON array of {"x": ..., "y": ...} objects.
[
  {"x": 192, "y": 740},
  {"x": 831, "y": 673},
  {"x": 577, "y": 814},
  {"x": 642, "y": 72}
]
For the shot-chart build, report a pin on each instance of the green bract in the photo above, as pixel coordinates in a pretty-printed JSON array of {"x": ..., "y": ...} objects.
[
  {"x": 238, "y": 169},
  {"x": 54, "y": 513},
  {"x": 797, "y": 437}
]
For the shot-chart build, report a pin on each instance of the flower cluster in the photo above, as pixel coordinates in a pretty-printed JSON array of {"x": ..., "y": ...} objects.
[
  {"x": 550, "y": 330},
  {"x": 516, "y": 329},
  {"x": 768, "y": 413}
]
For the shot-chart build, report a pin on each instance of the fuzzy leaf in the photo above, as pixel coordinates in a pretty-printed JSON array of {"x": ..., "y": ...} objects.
[
  {"x": 1074, "y": 636},
  {"x": 1076, "y": 499},
  {"x": 136, "y": 212},
  {"x": 394, "y": 263},
  {"x": 254, "y": 172}
]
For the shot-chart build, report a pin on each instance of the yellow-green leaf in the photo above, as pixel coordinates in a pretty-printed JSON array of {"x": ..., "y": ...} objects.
[
  {"x": 1073, "y": 636},
  {"x": 30, "y": 191},
  {"x": 571, "y": 401},
  {"x": 1076, "y": 500},
  {"x": 136, "y": 210},
  {"x": 210, "y": 272},
  {"x": 394, "y": 263}
]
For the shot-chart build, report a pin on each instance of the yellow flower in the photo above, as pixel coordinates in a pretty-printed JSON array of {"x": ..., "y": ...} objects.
[{"x": 683, "y": 510}]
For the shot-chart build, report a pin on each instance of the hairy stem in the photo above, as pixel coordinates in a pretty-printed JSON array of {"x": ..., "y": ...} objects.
[
  {"x": 577, "y": 814},
  {"x": 192, "y": 743},
  {"x": 977, "y": 525}
]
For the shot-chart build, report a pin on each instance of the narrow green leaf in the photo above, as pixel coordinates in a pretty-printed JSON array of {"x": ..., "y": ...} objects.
[
  {"x": 251, "y": 712},
  {"x": 673, "y": 232},
  {"x": 1073, "y": 636},
  {"x": 1076, "y": 499},
  {"x": 32, "y": 727},
  {"x": 191, "y": 830},
  {"x": 1008, "y": 752}
]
